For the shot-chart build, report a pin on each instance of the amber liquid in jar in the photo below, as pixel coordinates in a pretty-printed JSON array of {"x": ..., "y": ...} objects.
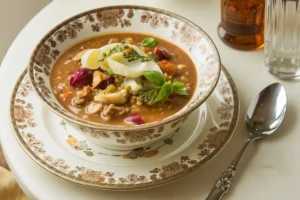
[{"x": 242, "y": 23}]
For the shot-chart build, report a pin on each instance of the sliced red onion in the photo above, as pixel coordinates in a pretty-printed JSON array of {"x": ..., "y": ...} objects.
[
  {"x": 162, "y": 53},
  {"x": 81, "y": 77},
  {"x": 134, "y": 119},
  {"x": 106, "y": 82}
]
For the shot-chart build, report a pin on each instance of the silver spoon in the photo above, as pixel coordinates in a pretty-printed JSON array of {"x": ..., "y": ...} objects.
[{"x": 263, "y": 117}]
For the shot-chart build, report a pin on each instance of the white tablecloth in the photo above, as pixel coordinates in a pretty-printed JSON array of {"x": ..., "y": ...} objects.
[{"x": 270, "y": 168}]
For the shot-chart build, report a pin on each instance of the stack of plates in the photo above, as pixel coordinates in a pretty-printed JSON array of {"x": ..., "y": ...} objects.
[{"x": 64, "y": 151}]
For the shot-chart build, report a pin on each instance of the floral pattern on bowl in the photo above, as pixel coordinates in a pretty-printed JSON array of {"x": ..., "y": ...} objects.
[
  {"x": 106, "y": 20},
  {"x": 128, "y": 140}
]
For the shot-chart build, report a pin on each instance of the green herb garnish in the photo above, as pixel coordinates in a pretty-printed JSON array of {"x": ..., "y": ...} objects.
[
  {"x": 155, "y": 94},
  {"x": 109, "y": 72},
  {"x": 119, "y": 48},
  {"x": 164, "y": 92},
  {"x": 154, "y": 77},
  {"x": 149, "y": 42},
  {"x": 179, "y": 88},
  {"x": 147, "y": 94},
  {"x": 133, "y": 55}
]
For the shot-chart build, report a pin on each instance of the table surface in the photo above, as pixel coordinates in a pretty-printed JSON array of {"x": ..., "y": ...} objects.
[
  {"x": 18, "y": 17},
  {"x": 269, "y": 170}
]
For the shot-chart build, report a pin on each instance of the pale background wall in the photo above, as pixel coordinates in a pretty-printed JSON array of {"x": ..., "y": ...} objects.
[{"x": 14, "y": 15}]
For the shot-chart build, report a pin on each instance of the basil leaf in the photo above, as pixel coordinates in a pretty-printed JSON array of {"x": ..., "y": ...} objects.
[
  {"x": 182, "y": 92},
  {"x": 164, "y": 92},
  {"x": 149, "y": 42},
  {"x": 179, "y": 88},
  {"x": 177, "y": 85},
  {"x": 154, "y": 77}
]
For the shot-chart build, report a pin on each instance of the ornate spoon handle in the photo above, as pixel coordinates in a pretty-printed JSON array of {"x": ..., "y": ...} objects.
[{"x": 222, "y": 185}]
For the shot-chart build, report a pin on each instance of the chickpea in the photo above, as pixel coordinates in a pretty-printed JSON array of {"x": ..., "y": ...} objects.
[
  {"x": 129, "y": 40},
  {"x": 183, "y": 78}
]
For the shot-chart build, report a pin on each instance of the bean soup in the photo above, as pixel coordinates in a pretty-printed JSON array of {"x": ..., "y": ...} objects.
[{"x": 124, "y": 79}]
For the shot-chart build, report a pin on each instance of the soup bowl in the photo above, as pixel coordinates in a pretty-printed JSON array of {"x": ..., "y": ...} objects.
[{"x": 117, "y": 19}]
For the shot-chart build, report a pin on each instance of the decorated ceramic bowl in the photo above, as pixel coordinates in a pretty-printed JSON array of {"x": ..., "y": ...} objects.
[{"x": 135, "y": 19}]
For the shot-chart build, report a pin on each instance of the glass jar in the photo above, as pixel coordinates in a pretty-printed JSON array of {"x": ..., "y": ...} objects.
[{"x": 242, "y": 23}]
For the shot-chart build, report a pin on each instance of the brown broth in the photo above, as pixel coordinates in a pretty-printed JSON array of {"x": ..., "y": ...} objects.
[{"x": 65, "y": 67}]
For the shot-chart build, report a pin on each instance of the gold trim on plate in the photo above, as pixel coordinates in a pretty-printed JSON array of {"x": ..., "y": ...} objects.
[{"x": 125, "y": 187}]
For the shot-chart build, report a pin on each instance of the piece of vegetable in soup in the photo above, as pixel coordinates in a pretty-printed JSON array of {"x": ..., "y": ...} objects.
[{"x": 124, "y": 79}]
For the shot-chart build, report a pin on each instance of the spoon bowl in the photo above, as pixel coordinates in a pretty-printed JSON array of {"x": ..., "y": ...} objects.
[{"x": 266, "y": 111}]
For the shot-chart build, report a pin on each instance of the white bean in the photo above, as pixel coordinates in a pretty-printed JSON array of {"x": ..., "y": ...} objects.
[{"x": 181, "y": 66}]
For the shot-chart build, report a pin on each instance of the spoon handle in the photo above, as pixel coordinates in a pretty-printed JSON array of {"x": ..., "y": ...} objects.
[{"x": 222, "y": 185}]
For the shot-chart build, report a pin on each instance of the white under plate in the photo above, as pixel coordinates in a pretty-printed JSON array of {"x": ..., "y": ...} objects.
[{"x": 65, "y": 152}]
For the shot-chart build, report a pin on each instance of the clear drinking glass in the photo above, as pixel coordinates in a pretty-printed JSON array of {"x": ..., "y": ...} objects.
[{"x": 282, "y": 38}]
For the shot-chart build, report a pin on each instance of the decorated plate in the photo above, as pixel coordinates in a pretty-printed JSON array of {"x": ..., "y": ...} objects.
[{"x": 65, "y": 152}]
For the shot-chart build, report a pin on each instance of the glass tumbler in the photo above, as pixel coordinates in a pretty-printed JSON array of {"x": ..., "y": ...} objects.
[{"x": 282, "y": 38}]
